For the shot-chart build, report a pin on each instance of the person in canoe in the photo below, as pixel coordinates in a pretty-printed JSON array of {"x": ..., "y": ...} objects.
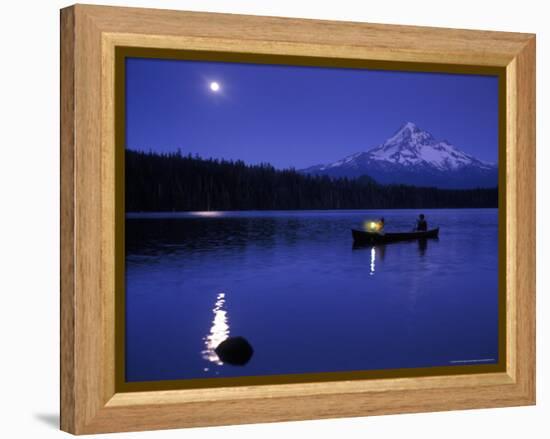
[{"x": 421, "y": 223}]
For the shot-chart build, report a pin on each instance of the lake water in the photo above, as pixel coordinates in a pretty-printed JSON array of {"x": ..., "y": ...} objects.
[{"x": 292, "y": 284}]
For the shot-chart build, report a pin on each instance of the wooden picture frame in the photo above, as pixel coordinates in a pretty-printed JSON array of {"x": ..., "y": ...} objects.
[{"x": 91, "y": 402}]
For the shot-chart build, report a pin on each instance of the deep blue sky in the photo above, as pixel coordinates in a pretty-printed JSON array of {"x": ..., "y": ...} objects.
[{"x": 300, "y": 116}]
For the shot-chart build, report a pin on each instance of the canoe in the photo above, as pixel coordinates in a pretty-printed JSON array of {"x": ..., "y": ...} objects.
[{"x": 361, "y": 237}]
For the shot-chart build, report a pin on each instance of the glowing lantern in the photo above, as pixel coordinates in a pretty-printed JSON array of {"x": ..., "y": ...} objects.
[{"x": 372, "y": 226}]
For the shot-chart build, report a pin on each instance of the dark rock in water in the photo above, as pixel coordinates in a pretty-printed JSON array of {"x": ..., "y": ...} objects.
[{"x": 235, "y": 350}]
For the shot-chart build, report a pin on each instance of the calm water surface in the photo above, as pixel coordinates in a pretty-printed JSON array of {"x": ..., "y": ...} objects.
[{"x": 294, "y": 287}]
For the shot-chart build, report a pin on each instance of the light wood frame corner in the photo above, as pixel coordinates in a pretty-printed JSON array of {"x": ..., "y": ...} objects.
[{"x": 89, "y": 37}]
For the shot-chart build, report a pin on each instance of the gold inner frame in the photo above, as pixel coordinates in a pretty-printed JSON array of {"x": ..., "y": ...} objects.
[{"x": 122, "y": 52}]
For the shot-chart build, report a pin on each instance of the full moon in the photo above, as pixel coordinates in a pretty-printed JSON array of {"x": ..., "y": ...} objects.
[{"x": 214, "y": 86}]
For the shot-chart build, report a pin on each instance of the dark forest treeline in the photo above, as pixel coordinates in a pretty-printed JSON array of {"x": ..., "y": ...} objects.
[{"x": 174, "y": 182}]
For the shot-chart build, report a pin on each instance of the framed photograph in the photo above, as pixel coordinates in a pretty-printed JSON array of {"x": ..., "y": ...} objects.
[{"x": 267, "y": 219}]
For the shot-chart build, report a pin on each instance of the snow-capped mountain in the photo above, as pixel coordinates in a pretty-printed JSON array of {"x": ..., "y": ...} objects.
[{"x": 413, "y": 156}]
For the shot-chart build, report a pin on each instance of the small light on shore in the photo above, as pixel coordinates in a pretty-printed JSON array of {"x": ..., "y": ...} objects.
[{"x": 208, "y": 213}]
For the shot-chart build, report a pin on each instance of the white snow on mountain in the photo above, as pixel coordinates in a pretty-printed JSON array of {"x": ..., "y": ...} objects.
[
  {"x": 411, "y": 146},
  {"x": 414, "y": 156},
  {"x": 345, "y": 160}
]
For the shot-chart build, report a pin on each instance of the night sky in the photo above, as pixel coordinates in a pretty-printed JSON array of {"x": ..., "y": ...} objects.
[{"x": 300, "y": 116}]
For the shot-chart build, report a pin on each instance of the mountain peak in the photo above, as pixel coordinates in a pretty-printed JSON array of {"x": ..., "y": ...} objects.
[
  {"x": 408, "y": 129},
  {"x": 410, "y": 126},
  {"x": 409, "y": 136},
  {"x": 413, "y": 155}
]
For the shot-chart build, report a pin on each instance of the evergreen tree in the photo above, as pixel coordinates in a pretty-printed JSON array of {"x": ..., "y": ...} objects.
[{"x": 176, "y": 182}]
